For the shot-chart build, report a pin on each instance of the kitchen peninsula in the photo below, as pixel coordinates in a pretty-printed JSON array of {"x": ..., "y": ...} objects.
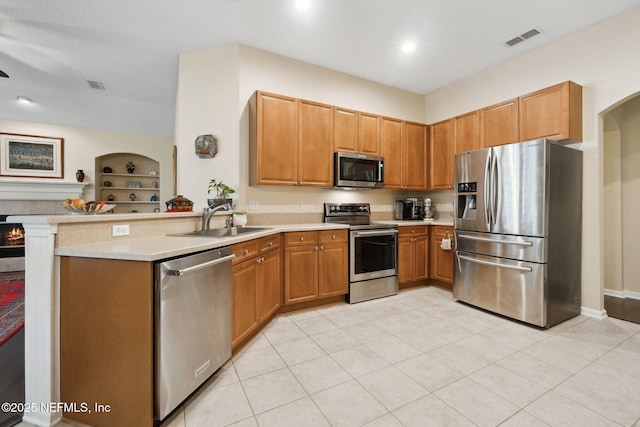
[{"x": 50, "y": 239}]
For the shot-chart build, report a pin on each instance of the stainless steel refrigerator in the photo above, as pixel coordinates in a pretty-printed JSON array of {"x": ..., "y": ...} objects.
[{"x": 518, "y": 230}]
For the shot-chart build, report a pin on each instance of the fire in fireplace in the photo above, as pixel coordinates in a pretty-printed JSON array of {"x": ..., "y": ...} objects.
[{"x": 11, "y": 239}]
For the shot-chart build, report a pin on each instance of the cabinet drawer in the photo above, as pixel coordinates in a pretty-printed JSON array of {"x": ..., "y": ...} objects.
[
  {"x": 300, "y": 238},
  {"x": 333, "y": 236},
  {"x": 244, "y": 250},
  {"x": 270, "y": 242},
  {"x": 412, "y": 230},
  {"x": 441, "y": 231}
]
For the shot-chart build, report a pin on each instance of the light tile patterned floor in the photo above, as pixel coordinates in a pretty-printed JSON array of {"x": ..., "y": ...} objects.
[{"x": 422, "y": 359}]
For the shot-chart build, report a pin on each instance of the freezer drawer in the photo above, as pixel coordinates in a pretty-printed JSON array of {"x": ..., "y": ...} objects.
[
  {"x": 512, "y": 288},
  {"x": 531, "y": 249}
]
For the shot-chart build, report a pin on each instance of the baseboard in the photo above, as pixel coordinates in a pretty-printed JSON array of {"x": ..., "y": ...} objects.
[
  {"x": 614, "y": 293},
  {"x": 596, "y": 314},
  {"x": 622, "y": 294}
]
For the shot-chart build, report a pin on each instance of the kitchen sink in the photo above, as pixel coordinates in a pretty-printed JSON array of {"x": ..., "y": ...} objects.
[{"x": 223, "y": 232}]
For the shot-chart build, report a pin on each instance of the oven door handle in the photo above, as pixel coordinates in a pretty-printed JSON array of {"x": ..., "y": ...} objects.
[{"x": 375, "y": 233}]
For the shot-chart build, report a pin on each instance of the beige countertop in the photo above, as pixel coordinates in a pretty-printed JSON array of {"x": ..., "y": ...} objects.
[
  {"x": 406, "y": 222},
  {"x": 160, "y": 247}
]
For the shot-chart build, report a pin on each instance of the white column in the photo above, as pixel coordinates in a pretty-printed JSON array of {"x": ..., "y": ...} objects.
[{"x": 42, "y": 322}]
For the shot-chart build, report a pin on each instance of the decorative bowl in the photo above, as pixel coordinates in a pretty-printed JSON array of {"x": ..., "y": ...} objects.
[{"x": 89, "y": 208}]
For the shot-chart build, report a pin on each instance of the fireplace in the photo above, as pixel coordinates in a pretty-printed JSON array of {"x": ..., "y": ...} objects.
[{"x": 11, "y": 239}]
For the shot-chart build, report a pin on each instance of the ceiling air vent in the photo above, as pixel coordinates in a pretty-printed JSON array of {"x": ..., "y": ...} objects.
[
  {"x": 95, "y": 85},
  {"x": 3, "y": 74},
  {"x": 522, "y": 37}
]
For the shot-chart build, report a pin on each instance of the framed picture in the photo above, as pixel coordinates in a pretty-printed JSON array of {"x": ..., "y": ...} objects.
[{"x": 31, "y": 156}]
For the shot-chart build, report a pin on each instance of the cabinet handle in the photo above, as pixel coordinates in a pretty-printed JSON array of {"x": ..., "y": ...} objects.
[
  {"x": 321, "y": 247},
  {"x": 316, "y": 248},
  {"x": 413, "y": 231},
  {"x": 260, "y": 260},
  {"x": 302, "y": 239},
  {"x": 333, "y": 237},
  {"x": 246, "y": 251},
  {"x": 270, "y": 244}
]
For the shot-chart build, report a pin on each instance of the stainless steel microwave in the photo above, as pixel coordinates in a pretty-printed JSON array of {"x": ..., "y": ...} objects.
[{"x": 355, "y": 170}]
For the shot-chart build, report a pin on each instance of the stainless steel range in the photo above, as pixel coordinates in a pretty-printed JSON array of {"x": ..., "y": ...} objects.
[{"x": 373, "y": 251}]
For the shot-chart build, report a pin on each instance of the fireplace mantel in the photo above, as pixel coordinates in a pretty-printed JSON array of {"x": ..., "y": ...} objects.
[{"x": 39, "y": 189}]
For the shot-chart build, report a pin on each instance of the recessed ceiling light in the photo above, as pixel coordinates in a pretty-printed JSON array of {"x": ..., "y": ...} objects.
[
  {"x": 408, "y": 46},
  {"x": 303, "y": 4},
  {"x": 25, "y": 100}
]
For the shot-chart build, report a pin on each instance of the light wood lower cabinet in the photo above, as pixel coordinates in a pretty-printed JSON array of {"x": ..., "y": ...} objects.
[
  {"x": 413, "y": 253},
  {"x": 257, "y": 284},
  {"x": 315, "y": 265},
  {"x": 442, "y": 261},
  {"x": 106, "y": 339}
]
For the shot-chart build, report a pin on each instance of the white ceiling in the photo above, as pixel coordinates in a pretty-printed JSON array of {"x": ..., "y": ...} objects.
[{"x": 51, "y": 48}]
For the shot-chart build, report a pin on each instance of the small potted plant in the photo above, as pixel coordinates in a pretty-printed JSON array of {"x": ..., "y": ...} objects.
[
  {"x": 223, "y": 191},
  {"x": 239, "y": 218}
]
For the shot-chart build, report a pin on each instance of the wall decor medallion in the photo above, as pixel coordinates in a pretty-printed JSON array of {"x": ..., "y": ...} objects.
[
  {"x": 31, "y": 156},
  {"x": 206, "y": 146}
]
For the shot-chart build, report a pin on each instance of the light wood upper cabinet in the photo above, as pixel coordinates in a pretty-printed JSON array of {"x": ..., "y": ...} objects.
[
  {"x": 368, "y": 134},
  {"x": 466, "y": 132},
  {"x": 391, "y": 141},
  {"x": 345, "y": 130},
  {"x": 414, "y": 155},
  {"x": 315, "y": 144},
  {"x": 441, "y": 155},
  {"x": 356, "y": 132},
  {"x": 554, "y": 112},
  {"x": 291, "y": 141},
  {"x": 274, "y": 140},
  {"x": 499, "y": 124}
]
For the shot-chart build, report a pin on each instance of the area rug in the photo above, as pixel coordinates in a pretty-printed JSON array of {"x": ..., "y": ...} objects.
[{"x": 11, "y": 304}]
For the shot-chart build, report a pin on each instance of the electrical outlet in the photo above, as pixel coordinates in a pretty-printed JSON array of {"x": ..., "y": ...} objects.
[
  {"x": 299, "y": 204},
  {"x": 253, "y": 205},
  {"x": 120, "y": 230}
]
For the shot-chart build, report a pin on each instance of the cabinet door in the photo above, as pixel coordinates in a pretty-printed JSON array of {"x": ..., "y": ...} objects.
[
  {"x": 315, "y": 144},
  {"x": 301, "y": 273},
  {"x": 391, "y": 146},
  {"x": 243, "y": 297},
  {"x": 269, "y": 285},
  {"x": 405, "y": 259},
  {"x": 420, "y": 258},
  {"x": 499, "y": 124},
  {"x": 414, "y": 153},
  {"x": 442, "y": 262},
  {"x": 333, "y": 269},
  {"x": 554, "y": 112},
  {"x": 345, "y": 130},
  {"x": 369, "y": 134},
  {"x": 440, "y": 155},
  {"x": 276, "y": 140},
  {"x": 466, "y": 132}
]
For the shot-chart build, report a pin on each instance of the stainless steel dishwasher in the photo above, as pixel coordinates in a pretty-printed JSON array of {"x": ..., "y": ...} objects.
[{"x": 192, "y": 321}]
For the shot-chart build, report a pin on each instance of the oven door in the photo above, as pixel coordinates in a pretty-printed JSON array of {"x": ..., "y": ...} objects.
[{"x": 373, "y": 254}]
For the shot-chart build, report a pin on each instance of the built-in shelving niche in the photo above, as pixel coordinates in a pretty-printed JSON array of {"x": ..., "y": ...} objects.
[{"x": 143, "y": 182}]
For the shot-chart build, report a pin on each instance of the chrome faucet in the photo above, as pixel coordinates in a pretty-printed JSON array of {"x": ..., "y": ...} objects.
[{"x": 207, "y": 213}]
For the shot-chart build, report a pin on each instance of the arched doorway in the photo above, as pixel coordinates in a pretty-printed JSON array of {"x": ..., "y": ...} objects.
[{"x": 621, "y": 198}]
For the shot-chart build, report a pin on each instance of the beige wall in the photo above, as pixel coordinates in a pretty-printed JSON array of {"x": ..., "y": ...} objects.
[
  {"x": 630, "y": 174},
  {"x": 81, "y": 147},
  {"x": 603, "y": 60},
  {"x": 213, "y": 93},
  {"x": 612, "y": 198}
]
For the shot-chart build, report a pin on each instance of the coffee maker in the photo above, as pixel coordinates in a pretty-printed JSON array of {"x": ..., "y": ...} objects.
[{"x": 410, "y": 208}]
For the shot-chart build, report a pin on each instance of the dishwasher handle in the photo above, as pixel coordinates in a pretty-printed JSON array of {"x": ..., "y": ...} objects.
[{"x": 186, "y": 270}]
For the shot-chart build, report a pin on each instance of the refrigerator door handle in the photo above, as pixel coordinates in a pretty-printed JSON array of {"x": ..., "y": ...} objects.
[
  {"x": 494, "y": 264},
  {"x": 504, "y": 242},
  {"x": 494, "y": 188},
  {"x": 487, "y": 191}
]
